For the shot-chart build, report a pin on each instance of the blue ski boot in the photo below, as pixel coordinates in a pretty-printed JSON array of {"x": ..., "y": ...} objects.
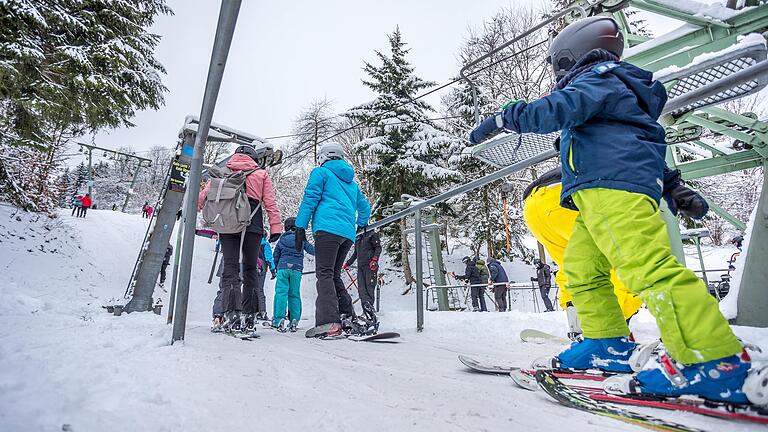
[
  {"x": 718, "y": 380},
  {"x": 607, "y": 354}
]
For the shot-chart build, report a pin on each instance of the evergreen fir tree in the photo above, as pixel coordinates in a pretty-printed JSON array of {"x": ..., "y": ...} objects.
[{"x": 408, "y": 151}]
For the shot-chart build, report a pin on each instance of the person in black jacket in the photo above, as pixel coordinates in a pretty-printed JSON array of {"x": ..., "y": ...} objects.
[
  {"x": 472, "y": 275},
  {"x": 367, "y": 251},
  {"x": 544, "y": 278},
  {"x": 166, "y": 262},
  {"x": 498, "y": 275}
]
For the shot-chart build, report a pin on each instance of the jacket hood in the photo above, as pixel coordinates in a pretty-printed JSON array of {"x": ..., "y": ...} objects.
[
  {"x": 241, "y": 162},
  {"x": 287, "y": 240},
  {"x": 341, "y": 168},
  {"x": 650, "y": 94}
]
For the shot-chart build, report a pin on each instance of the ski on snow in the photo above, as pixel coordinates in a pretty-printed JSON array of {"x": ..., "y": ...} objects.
[
  {"x": 573, "y": 398},
  {"x": 529, "y": 380}
]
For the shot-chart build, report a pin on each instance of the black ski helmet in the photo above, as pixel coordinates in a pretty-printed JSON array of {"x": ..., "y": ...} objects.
[
  {"x": 290, "y": 224},
  {"x": 257, "y": 151},
  {"x": 582, "y": 37}
]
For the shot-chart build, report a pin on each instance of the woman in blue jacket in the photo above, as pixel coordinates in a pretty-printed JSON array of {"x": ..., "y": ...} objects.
[{"x": 333, "y": 202}]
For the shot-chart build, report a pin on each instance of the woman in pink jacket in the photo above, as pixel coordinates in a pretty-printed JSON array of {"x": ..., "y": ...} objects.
[{"x": 258, "y": 187}]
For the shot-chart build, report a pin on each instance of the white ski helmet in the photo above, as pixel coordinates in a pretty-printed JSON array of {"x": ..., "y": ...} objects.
[{"x": 331, "y": 150}]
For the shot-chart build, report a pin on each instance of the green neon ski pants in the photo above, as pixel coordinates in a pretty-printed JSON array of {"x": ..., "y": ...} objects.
[{"x": 624, "y": 230}]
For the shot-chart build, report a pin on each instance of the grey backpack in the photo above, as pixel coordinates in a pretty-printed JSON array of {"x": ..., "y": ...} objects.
[{"x": 226, "y": 209}]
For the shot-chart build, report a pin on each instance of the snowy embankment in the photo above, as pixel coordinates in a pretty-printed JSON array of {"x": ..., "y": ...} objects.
[{"x": 64, "y": 361}]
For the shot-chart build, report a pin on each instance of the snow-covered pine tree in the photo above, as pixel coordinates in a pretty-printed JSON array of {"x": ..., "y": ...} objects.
[
  {"x": 408, "y": 151},
  {"x": 68, "y": 68}
]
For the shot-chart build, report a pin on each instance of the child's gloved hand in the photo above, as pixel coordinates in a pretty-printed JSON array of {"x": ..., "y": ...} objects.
[
  {"x": 274, "y": 274},
  {"x": 487, "y": 129},
  {"x": 301, "y": 235},
  {"x": 685, "y": 201},
  {"x": 682, "y": 199}
]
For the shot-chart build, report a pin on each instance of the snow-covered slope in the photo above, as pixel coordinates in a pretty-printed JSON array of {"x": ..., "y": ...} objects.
[{"x": 63, "y": 361}]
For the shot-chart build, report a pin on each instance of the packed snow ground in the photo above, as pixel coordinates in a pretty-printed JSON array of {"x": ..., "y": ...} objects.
[{"x": 64, "y": 361}]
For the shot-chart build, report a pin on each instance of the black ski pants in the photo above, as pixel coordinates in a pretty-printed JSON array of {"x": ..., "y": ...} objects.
[
  {"x": 231, "y": 296},
  {"x": 366, "y": 283},
  {"x": 544, "y": 290},
  {"x": 500, "y": 294},
  {"x": 254, "y": 301},
  {"x": 478, "y": 296},
  {"x": 332, "y": 296}
]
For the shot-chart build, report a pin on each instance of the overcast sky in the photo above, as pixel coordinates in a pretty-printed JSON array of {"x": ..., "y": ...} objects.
[{"x": 287, "y": 53}]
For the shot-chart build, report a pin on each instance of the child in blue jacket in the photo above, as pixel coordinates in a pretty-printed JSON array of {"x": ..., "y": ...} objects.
[
  {"x": 612, "y": 152},
  {"x": 289, "y": 263}
]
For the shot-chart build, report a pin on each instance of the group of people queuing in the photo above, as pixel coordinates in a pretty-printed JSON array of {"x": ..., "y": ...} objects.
[
  {"x": 335, "y": 209},
  {"x": 81, "y": 204},
  {"x": 480, "y": 275}
]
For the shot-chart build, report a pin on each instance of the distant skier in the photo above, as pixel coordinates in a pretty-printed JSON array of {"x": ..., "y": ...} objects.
[
  {"x": 612, "y": 155},
  {"x": 77, "y": 202},
  {"x": 544, "y": 279},
  {"x": 477, "y": 292},
  {"x": 166, "y": 262},
  {"x": 150, "y": 210},
  {"x": 498, "y": 276},
  {"x": 85, "y": 205},
  {"x": 290, "y": 264},
  {"x": 261, "y": 196},
  {"x": 145, "y": 209},
  {"x": 334, "y": 204},
  {"x": 366, "y": 252}
]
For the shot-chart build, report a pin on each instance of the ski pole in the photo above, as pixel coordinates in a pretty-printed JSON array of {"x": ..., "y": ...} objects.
[{"x": 215, "y": 259}]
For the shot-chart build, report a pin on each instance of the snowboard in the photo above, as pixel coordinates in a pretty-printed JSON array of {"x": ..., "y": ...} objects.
[
  {"x": 540, "y": 337},
  {"x": 378, "y": 337},
  {"x": 572, "y": 398},
  {"x": 597, "y": 397}
]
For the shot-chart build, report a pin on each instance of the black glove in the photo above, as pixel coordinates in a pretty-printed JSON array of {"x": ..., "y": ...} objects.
[
  {"x": 301, "y": 235},
  {"x": 274, "y": 237},
  {"x": 274, "y": 275},
  {"x": 489, "y": 128},
  {"x": 682, "y": 199},
  {"x": 556, "y": 144}
]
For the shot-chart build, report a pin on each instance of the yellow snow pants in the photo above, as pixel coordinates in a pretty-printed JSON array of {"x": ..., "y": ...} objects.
[{"x": 552, "y": 226}]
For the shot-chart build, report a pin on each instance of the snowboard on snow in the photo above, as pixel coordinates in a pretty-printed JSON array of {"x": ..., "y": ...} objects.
[
  {"x": 540, "y": 337},
  {"x": 378, "y": 337}
]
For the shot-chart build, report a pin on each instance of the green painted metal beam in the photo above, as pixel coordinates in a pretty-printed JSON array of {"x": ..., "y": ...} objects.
[
  {"x": 711, "y": 37},
  {"x": 731, "y": 219},
  {"x": 721, "y": 129},
  {"x": 720, "y": 165}
]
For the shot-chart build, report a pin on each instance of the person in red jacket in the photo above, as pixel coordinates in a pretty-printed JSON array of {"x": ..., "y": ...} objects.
[
  {"x": 258, "y": 187},
  {"x": 87, "y": 202}
]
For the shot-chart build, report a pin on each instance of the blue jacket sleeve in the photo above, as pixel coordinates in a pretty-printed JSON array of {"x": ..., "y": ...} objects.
[
  {"x": 494, "y": 271},
  {"x": 363, "y": 209},
  {"x": 572, "y": 106},
  {"x": 276, "y": 255},
  {"x": 309, "y": 248},
  {"x": 268, "y": 255},
  {"x": 313, "y": 192}
]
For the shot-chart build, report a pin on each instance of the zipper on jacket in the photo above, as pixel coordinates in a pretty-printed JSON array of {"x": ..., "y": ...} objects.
[{"x": 570, "y": 155}]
